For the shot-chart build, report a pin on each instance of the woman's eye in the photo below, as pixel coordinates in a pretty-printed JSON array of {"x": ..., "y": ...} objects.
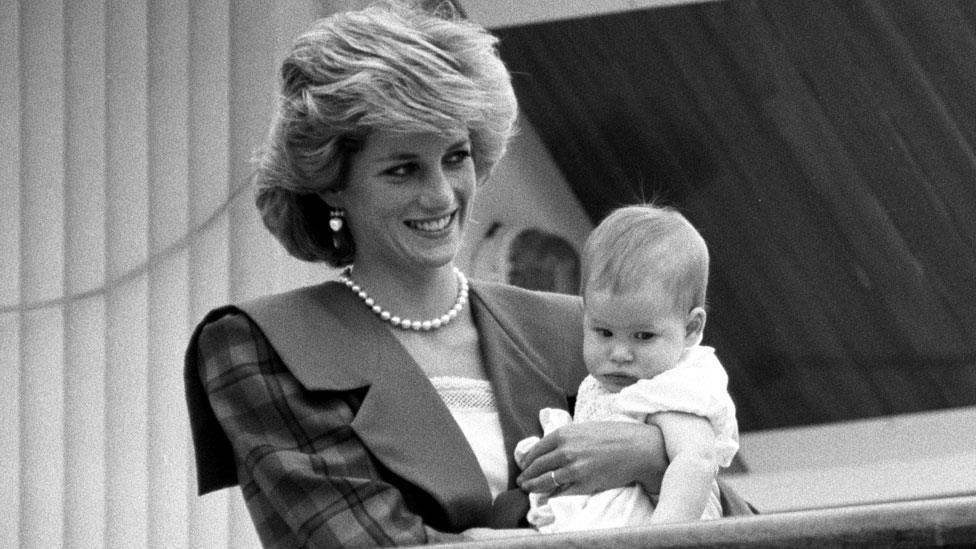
[
  {"x": 458, "y": 157},
  {"x": 603, "y": 332},
  {"x": 643, "y": 336},
  {"x": 400, "y": 170}
]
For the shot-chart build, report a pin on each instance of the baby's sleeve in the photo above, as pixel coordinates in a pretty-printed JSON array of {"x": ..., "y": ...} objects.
[{"x": 698, "y": 385}]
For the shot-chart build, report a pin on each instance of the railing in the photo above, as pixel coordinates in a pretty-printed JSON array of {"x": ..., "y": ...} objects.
[{"x": 925, "y": 523}]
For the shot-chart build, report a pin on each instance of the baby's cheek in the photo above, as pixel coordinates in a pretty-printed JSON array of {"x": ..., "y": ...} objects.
[{"x": 591, "y": 355}]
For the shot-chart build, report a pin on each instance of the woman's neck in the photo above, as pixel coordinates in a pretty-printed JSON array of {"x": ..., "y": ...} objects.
[{"x": 419, "y": 294}]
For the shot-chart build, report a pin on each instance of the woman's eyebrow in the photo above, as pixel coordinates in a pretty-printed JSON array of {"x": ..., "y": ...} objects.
[
  {"x": 396, "y": 156},
  {"x": 406, "y": 155}
]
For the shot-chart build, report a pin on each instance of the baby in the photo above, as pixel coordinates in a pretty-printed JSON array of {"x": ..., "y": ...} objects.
[{"x": 644, "y": 276}]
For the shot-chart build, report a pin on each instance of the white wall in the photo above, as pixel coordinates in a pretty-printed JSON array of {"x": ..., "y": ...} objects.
[
  {"x": 527, "y": 189},
  {"x": 125, "y": 129},
  {"x": 894, "y": 458}
]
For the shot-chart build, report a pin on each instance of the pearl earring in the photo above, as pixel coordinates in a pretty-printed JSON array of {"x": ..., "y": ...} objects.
[
  {"x": 335, "y": 219},
  {"x": 335, "y": 223}
]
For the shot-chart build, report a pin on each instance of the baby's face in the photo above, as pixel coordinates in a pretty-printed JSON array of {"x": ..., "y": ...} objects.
[{"x": 633, "y": 335}]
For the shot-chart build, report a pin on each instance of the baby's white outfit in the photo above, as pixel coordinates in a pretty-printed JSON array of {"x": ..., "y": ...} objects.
[{"x": 697, "y": 385}]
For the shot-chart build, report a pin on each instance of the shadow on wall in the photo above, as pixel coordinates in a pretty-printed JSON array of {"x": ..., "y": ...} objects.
[{"x": 528, "y": 257}]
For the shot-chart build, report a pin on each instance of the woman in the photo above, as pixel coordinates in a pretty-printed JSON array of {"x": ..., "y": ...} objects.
[{"x": 345, "y": 423}]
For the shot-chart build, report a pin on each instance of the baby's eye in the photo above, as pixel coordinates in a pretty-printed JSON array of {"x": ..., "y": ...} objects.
[
  {"x": 603, "y": 332},
  {"x": 643, "y": 336}
]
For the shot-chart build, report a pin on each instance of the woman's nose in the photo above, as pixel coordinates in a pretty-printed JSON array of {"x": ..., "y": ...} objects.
[{"x": 438, "y": 191}]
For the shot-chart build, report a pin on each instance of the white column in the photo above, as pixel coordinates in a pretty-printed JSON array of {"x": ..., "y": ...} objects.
[{"x": 126, "y": 218}]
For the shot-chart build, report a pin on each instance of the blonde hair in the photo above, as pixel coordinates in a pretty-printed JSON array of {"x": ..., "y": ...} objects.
[
  {"x": 637, "y": 243},
  {"x": 388, "y": 67}
]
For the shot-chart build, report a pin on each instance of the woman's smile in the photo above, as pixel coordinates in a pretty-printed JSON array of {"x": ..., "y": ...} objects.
[
  {"x": 431, "y": 225},
  {"x": 407, "y": 198}
]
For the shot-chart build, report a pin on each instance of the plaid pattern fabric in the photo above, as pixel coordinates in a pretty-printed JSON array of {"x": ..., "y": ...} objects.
[{"x": 307, "y": 479}]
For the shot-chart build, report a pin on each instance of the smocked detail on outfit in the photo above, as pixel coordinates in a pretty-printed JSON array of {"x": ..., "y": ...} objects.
[{"x": 465, "y": 393}]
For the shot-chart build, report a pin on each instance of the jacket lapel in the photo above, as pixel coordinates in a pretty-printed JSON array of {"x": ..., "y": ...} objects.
[
  {"x": 521, "y": 388},
  {"x": 402, "y": 419}
]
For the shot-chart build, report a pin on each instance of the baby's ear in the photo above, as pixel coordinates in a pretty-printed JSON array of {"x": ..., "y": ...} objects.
[{"x": 695, "y": 326}]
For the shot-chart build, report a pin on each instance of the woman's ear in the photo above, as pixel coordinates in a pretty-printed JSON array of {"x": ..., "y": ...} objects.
[
  {"x": 695, "y": 326},
  {"x": 332, "y": 197}
]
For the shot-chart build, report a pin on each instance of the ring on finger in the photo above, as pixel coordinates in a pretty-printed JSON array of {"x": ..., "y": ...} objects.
[{"x": 552, "y": 476}]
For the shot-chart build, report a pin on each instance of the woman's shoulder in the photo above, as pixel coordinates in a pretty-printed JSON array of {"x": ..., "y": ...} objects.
[
  {"x": 226, "y": 317},
  {"x": 236, "y": 323},
  {"x": 546, "y": 327},
  {"x": 278, "y": 325},
  {"x": 250, "y": 318},
  {"x": 291, "y": 302},
  {"x": 550, "y": 321},
  {"x": 226, "y": 338},
  {"x": 246, "y": 311},
  {"x": 515, "y": 300}
]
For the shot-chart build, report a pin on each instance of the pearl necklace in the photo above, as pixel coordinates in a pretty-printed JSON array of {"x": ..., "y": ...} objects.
[{"x": 404, "y": 323}]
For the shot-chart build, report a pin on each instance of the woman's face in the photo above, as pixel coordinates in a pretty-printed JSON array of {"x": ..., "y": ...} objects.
[{"x": 407, "y": 198}]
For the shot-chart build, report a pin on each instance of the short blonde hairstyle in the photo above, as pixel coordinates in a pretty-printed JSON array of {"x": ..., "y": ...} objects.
[
  {"x": 641, "y": 242},
  {"x": 388, "y": 67}
]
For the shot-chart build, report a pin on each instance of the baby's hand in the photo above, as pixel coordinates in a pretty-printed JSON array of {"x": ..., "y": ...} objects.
[
  {"x": 522, "y": 449},
  {"x": 553, "y": 418},
  {"x": 550, "y": 419}
]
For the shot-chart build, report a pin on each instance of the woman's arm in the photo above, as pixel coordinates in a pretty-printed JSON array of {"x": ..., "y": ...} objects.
[
  {"x": 301, "y": 467},
  {"x": 594, "y": 456},
  {"x": 690, "y": 443}
]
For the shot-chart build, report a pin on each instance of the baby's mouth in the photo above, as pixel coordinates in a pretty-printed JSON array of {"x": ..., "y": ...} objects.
[{"x": 620, "y": 380}]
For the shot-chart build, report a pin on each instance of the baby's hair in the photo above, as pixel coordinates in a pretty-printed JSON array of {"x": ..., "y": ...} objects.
[{"x": 641, "y": 242}]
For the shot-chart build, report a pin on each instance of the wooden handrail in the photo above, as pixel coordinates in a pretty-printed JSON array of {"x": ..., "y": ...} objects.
[{"x": 924, "y": 523}]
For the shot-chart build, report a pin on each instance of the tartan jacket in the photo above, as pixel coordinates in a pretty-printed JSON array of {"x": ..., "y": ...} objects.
[{"x": 334, "y": 433}]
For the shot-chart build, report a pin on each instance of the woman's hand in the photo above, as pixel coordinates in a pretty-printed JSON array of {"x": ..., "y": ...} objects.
[{"x": 594, "y": 456}]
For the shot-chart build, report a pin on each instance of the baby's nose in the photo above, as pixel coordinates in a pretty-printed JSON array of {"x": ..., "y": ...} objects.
[{"x": 621, "y": 353}]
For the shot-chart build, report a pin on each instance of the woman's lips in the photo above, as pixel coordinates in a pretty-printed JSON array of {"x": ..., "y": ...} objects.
[{"x": 432, "y": 225}]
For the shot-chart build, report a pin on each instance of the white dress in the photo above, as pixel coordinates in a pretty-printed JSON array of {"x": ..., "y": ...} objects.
[
  {"x": 697, "y": 385},
  {"x": 472, "y": 404}
]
